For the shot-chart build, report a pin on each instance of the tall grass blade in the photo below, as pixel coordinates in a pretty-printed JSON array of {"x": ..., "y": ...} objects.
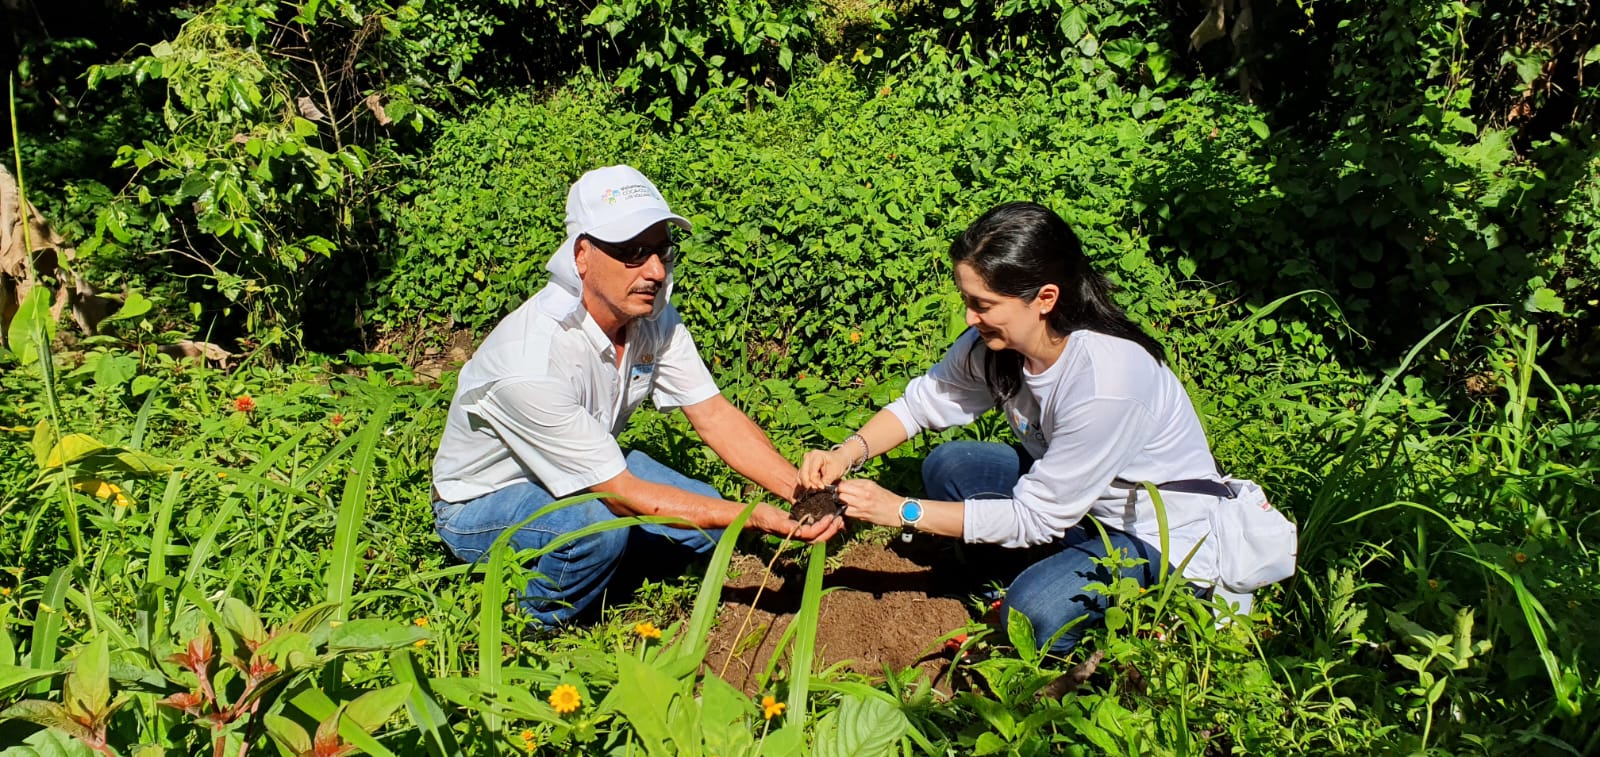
[
  {"x": 491, "y": 604},
  {"x": 47, "y": 626},
  {"x": 352, "y": 511},
  {"x": 422, "y": 707},
  {"x": 201, "y": 554},
  {"x": 1325, "y": 512},
  {"x": 710, "y": 596},
  {"x": 161, "y": 535},
  {"x": 805, "y": 642}
]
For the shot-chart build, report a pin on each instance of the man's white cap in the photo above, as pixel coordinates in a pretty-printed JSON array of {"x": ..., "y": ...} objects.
[{"x": 612, "y": 204}]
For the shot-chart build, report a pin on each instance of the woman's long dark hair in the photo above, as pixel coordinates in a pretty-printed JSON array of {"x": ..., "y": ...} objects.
[{"x": 1019, "y": 247}]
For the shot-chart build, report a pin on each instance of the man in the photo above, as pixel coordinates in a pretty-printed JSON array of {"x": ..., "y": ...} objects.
[{"x": 538, "y": 409}]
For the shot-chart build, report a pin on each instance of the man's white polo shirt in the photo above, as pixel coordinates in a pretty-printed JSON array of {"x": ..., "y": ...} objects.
[{"x": 543, "y": 400}]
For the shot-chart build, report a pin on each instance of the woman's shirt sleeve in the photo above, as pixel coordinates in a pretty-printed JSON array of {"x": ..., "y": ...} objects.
[
  {"x": 1089, "y": 444},
  {"x": 951, "y": 393}
]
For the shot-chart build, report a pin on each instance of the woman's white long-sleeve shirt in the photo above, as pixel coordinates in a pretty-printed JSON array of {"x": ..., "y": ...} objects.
[{"x": 1104, "y": 410}]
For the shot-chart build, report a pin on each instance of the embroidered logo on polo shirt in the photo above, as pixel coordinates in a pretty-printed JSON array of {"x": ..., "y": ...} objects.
[{"x": 648, "y": 358}]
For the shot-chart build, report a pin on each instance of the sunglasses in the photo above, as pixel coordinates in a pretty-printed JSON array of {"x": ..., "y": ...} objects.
[{"x": 635, "y": 255}]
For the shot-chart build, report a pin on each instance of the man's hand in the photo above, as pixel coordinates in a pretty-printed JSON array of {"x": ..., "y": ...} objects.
[
  {"x": 775, "y": 521},
  {"x": 822, "y": 467}
]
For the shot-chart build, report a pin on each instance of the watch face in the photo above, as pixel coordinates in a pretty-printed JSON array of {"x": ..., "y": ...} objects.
[{"x": 910, "y": 511}]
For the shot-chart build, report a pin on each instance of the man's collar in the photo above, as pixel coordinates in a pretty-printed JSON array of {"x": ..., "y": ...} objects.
[{"x": 597, "y": 336}]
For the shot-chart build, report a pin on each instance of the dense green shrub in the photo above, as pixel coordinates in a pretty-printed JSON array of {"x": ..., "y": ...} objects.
[{"x": 818, "y": 222}]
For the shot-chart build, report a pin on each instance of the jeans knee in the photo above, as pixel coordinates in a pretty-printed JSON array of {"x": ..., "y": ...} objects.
[
  {"x": 602, "y": 548},
  {"x": 942, "y": 467}
]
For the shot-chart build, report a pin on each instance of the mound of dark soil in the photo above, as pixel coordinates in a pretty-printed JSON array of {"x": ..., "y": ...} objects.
[{"x": 886, "y": 608}]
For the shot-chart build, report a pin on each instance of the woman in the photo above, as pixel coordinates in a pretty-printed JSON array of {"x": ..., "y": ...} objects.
[{"x": 1092, "y": 403}]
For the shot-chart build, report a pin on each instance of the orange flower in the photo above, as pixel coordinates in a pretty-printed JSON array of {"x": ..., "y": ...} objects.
[
  {"x": 566, "y": 698},
  {"x": 647, "y": 630},
  {"x": 1520, "y": 557},
  {"x": 771, "y": 707},
  {"x": 244, "y": 404},
  {"x": 337, "y": 419},
  {"x": 855, "y": 337}
]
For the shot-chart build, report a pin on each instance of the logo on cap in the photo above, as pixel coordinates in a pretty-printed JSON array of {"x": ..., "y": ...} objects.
[{"x": 629, "y": 192}]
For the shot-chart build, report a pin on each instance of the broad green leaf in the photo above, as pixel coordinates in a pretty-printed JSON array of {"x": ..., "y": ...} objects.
[
  {"x": 289, "y": 734},
  {"x": 50, "y": 743},
  {"x": 645, "y": 697},
  {"x": 315, "y": 703},
  {"x": 114, "y": 370},
  {"x": 1123, "y": 53},
  {"x": 32, "y": 327},
  {"x": 71, "y": 448},
  {"x": 47, "y": 714},
  {"x": 1545, "y": 300},
  {"x": 1019, "y": 631},
  {"x": 374, "y": 634},
  {"x": 725, "y": 713},
  {"x": 13, "y": 678},
  {"x": 44, "y": 439},
  {"x": 133, "y": 306},
  {"x": 241, "y": 619},
  {"x": 370, "y": 710},
  {"x": 87, "y": 689},
  {"x": 290, "y": 650},
  {"x": 1116, "y": 618},
  {"x": 860, "y": 728},
  {"x": 788, "y": 741},
  {"x": 142, "y": 385}
]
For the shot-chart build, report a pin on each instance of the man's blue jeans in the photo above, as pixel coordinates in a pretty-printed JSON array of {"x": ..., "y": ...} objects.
[
  {"x": 572, "y": 577},
  {"x": 1051, "y": 592}
]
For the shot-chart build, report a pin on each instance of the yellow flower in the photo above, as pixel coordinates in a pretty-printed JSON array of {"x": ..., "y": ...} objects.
[
  {"x": 855, "y": 337},
  {"x": 529, "y": 742},
  {"x": 1520, "y": 557},
  {"x": 96, "y": 488},
  {"x": 565, "y": 698},
  {"x": 421, "y": 622},
  {"x": 771, "y": 707},
  {"x": 5, "y": 591},
  {"x": 647, "y": 630}
]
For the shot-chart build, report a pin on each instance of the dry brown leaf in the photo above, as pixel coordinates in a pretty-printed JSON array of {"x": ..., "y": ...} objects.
[{"x": 375, "y": 104}]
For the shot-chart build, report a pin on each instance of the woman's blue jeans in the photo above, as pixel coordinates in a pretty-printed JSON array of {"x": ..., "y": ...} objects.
[
  {"x": 1052, "y": 592},
  {"x": 572, "y": 577}
]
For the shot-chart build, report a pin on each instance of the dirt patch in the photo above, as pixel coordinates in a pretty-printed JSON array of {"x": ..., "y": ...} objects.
[{"x": 885, "y": 609}]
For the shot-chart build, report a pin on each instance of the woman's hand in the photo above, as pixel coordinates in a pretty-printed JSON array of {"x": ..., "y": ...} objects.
[
  {"x": 866, "y": 500},
  {"x": 821, "y": 467}
]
